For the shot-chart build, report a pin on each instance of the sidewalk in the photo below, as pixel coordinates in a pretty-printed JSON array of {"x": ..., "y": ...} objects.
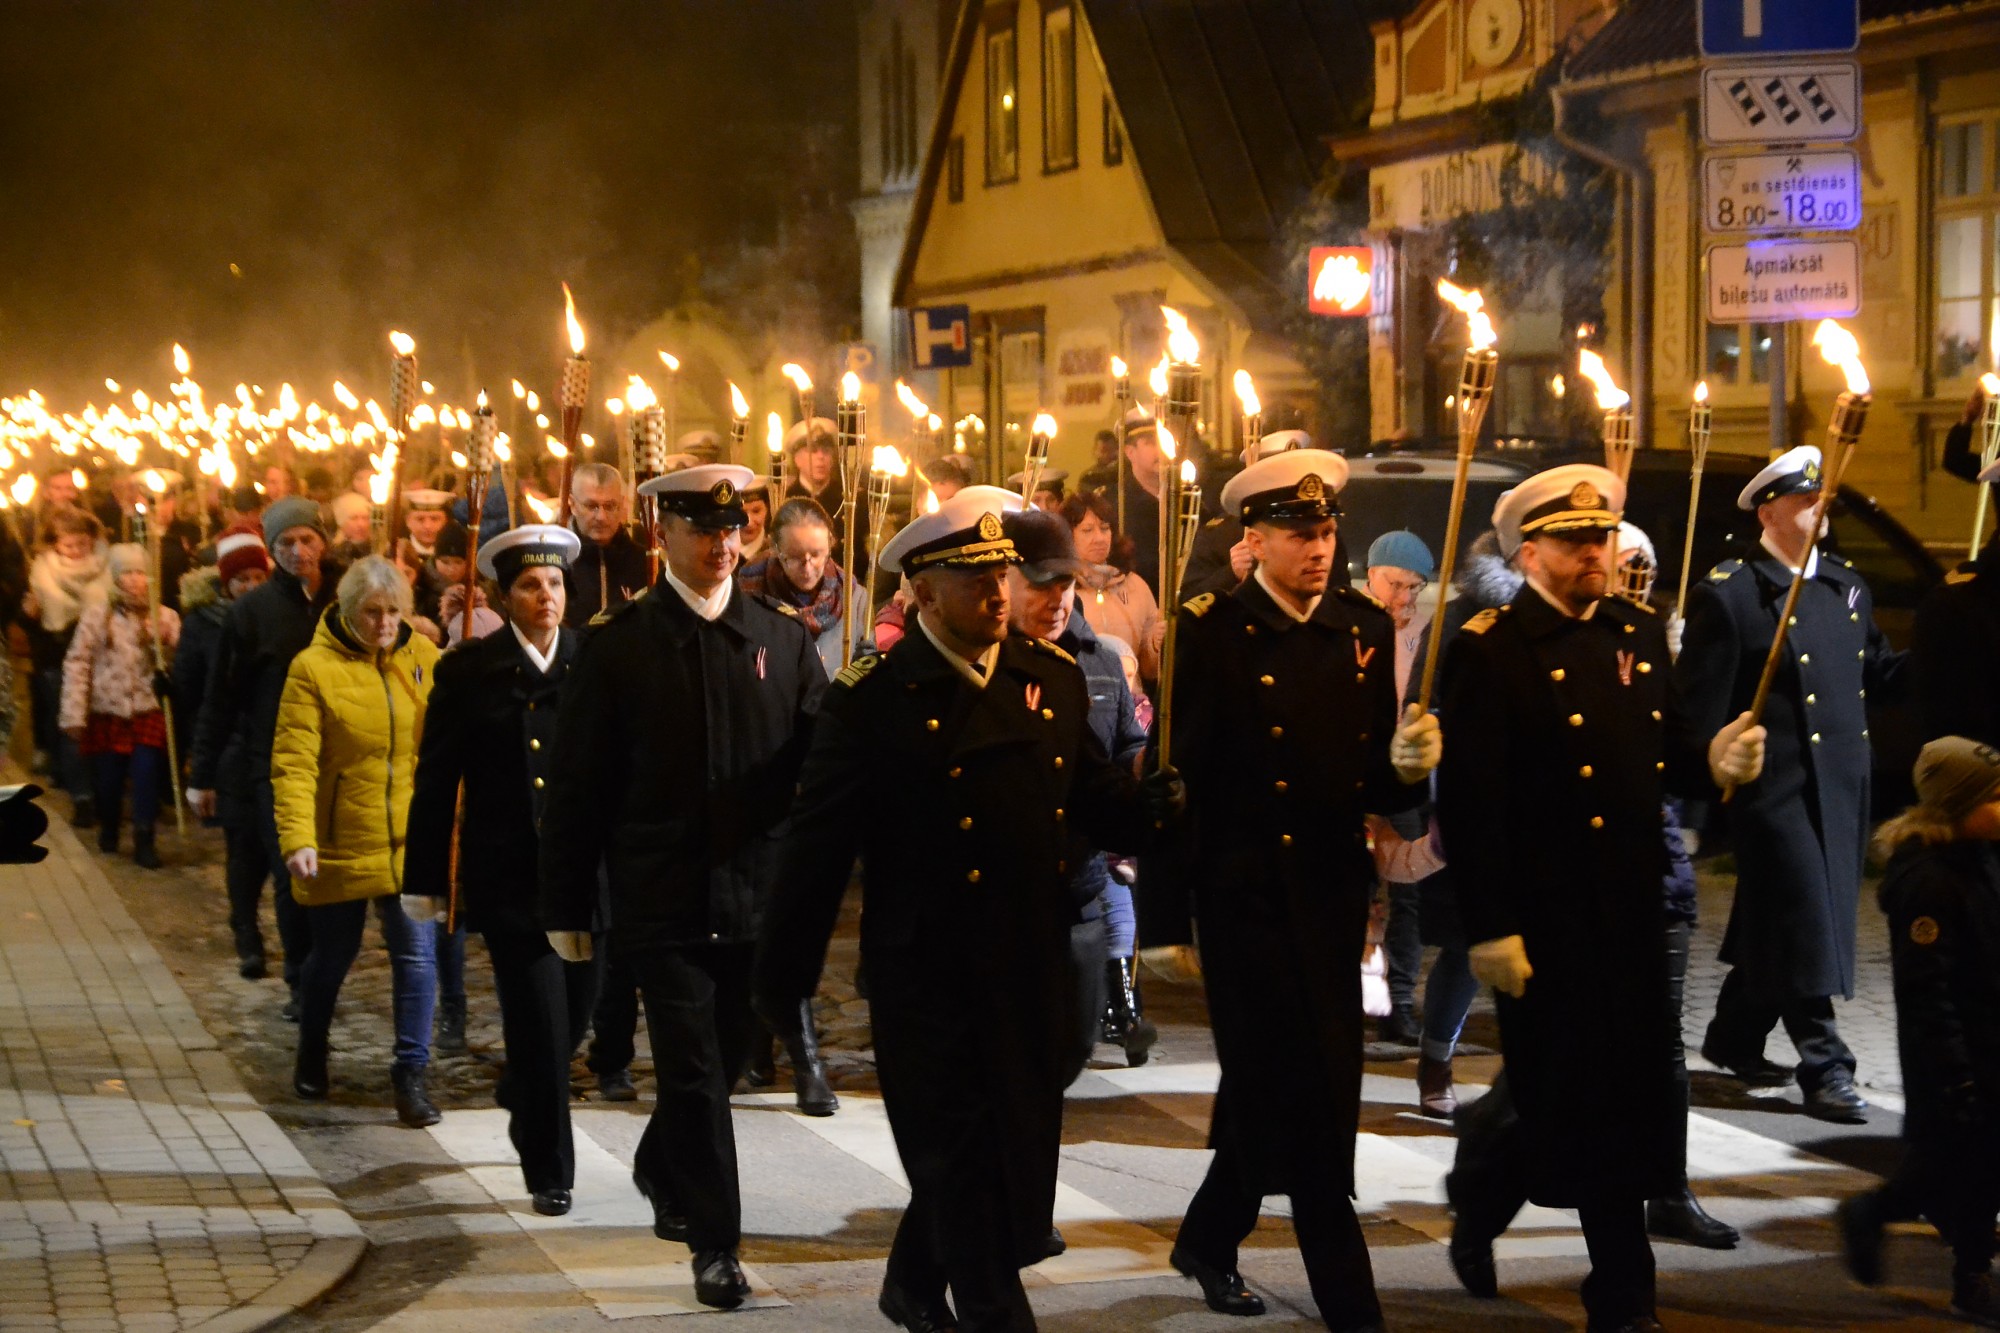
[{"x": 143, "y": 1187}]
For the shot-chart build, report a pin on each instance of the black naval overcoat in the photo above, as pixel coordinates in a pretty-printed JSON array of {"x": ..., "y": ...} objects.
[
  {"x": 491, "y": 724},
  {"x": 604, "y": 578},
  {"x": 1955, "y": 652},
  {"x": 1800, "y": 830},
  {"x": 680, "y": 743},
  {"x": 1281, "y": 730},
  {"x": 1562, "y": 736},
  {"x": 967, "y": 808}
]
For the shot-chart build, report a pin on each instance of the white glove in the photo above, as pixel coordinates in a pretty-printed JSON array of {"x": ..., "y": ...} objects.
[
  {"x": 572, "y": 946},
  {"x": 1736, "y": 755},
  {"x": 1675, "y": 625},
  {"x": 421, "y": 907},
  {"x": 1502, "y": 964},
  {"x": 1171, "y": 962},
  {"x": 1418, "y": 745}
]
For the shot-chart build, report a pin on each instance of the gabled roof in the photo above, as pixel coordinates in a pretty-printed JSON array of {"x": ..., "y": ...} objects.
[
  {"x": 1647, "y": 33},
  {"x": 1225, "y": 104}
]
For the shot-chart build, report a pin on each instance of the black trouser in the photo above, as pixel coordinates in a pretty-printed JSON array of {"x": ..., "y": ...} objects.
[
  {"x": 614, "y": 1024},
  {"x": 1087, "y": 954},
  {"x": 1224, "y": 1212},
  {"x": 1679, "y": 934},
  {"x": 1489, "y": 1183},
  {"x": 698, "y": 1018},
  {"x": 294, "y": 925},
  {"x": 1403, "y": 945},
  {"x": 544, "y": 1005},
  {"x": 1743, "y": 1019},
  {"x": 959, "y": 1238},
  {"x": 245, "y": 869}
]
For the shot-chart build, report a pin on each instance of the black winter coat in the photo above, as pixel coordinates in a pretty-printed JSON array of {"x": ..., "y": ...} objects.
[
  {"x": 604, "y": 578},
  {"x": 491, "y": 725},
  {"x": 1563, "y": 737},
  {"x": 268, "y": 626},
  {"x": 1282, "y": 730},
  {"x": 966, "y": 807},
  {"x": 680, "y": 744},
  {"x": 1944, "y": 941},
  {"x": 1801, "y": 829},
  {"x": 204, "y": 618},
  {"x": 1955, "y": 652}
]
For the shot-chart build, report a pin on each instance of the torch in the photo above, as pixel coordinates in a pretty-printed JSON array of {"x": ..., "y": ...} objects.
[
  {"x": 1121, "y": 394},
  {"x": 801, "y": 382},
  {"x": 673, "y": 365},
  {"x": 774, "y": 442},
  {"x": 1041, "y": 435},
  {"x": 649, "y": 460},
  {"x": 888, "y": 466},
  {"x": 1843, "y": 434},
  {"x": 850, "y": 430},
  {"x": 1989, "y": 434},
  {"x": 1616, "y": 405},
  {"x": 403, "y": 391},
  {"x": 480, "y": 438},
  {"x": 1476, "y": 375},
  {"x": 1170, "y": 600},
  {"x": 573, "y": 393},
  {"x": 1701, "y": 429},
  {"x": 739, "y": 425},
  {"x": 922, "y": 436},
  {"x": 1253, "y": 410},
  {"x": 149, "y": 532}
]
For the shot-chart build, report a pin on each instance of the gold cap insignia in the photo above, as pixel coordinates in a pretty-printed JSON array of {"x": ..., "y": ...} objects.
[
  {"x": 1583, "y": 495},
  {"x": 1311, "y": 488},
  {"x": 1812, "y": 472},
  {"x": 722, "y": 492},
  {"x": 989, "y": 528}
]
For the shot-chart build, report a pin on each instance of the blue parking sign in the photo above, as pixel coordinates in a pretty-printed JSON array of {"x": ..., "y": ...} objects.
[
  {"x": 941, "y": 336},
  {"x": 1779, "y": 27}
]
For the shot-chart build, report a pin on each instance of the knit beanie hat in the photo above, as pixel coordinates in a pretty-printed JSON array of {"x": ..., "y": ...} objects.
[
  {"x": 127, "y": 558},
  {"x": 1402, "y": 549},
  {"x": 294, "y": 511},
  {"x": 240, "y": 549},
  {"x": 1954, "y": 776}
]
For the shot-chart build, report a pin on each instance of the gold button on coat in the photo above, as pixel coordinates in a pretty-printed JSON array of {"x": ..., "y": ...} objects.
[
  {"x": 1277, "y": 732},
  {"x": 966, "y": 822},
  {"x": 1576, "y": 719},
  {"x": 930, "y": 724},
  {"x": 1285, "y": 839},
  {"x": 1597, "y": 821},
  {"x": 972, "y": 877},
  {"x": 1586, "y": 771},
  {"x": 1281, "y": 786},
  {"x": 534, "y": 743},
  {"x": 1557, "y": 674},
  {"x": 1048, "y": 712},
  {"x": 1266, "y": 680},
  {"x": 539, "y": 784}
]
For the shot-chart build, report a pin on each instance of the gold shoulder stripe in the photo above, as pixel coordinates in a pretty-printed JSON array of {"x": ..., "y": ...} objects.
[
  {"x": 1482, "y": 622},
  {"x": 1722, "y": 571},
  {"x": 852, "y": 673},
  {"x": 1200, "y": 605},
  {"x": 1639, "y": 606},
  {"x": 1213, "y": 522},
  {"x": 786, "y": 608},
  {"x": 1362, "y": 595},
  {"x": 1053, "y": 649},
  {"x": 1958, "y": 576}
]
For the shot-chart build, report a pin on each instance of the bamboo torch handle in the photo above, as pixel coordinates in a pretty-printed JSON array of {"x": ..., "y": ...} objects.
[
  {"x": 1687, "y": 545},
  {"x": 1448, "y": 559}
]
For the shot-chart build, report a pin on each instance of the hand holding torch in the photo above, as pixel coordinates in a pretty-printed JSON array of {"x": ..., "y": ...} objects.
[
  {"x": 1476, "y": 375},
  {"x": 1843, "y": 434}
]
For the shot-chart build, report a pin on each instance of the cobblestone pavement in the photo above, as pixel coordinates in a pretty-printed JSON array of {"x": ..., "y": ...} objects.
[{"x": 144, "y": 1187}]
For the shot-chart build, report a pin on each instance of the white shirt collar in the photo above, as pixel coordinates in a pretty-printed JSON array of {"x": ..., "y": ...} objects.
[
  {"x": 542, "y": 664},
  {"x": 1812, "y": 556},
  {"x": 1283, "y": 604},
  {"x": 1550, "y": 598},
  {"x": 987, "y": 660},
  {"x": 710, "y": 607}
]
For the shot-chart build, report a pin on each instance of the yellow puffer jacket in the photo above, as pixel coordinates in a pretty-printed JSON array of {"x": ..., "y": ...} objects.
[{"x": 344, "y": 757}]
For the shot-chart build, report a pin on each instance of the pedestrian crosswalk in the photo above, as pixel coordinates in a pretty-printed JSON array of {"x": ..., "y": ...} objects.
[{"x": 1118, "y": 1200}]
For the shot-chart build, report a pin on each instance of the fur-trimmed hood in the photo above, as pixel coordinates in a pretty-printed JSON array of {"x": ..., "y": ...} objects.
[
  {"x": 199, "y": 588},
  {"x": 1486, "y": 579}
]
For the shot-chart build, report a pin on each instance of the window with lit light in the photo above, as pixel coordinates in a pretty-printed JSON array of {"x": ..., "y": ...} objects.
[
  {"x": 1967, "y": 250},
  {"x": 1724, "y": 361},
  {"x": 1003, "y": 111},
  {"x": 1059, "y": 89}
]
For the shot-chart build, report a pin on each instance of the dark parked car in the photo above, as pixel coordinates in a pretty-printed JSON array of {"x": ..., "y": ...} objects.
[{"x": 1413, "y": 489}]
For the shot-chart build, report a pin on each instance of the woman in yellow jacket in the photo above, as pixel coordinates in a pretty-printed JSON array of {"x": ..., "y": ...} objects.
[{"x": 342, "y": 766}]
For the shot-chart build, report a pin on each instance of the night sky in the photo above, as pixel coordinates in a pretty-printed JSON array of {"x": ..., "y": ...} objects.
[{"x": 278, "y": 183}]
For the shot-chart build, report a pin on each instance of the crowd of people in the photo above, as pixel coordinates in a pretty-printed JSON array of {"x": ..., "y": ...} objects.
[{"x": 642, "y": 761}]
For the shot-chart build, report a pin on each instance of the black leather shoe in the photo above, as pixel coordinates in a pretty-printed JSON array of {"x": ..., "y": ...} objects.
[
  {"x": 1860, "y": 1222},
  {"x": 551, "y": 1203},
  {"x": 719, "y": 1280},
  {"x": 617, "y": 1086},
  {"x": 809, "y": 1086},
  {"x": 413, "y": 1101},
  {"x": 1224, "y": 1291},
  {"x": 1681, "y": 1217},
  {"x": 1471, "y": 1255},
  {"x": 1057, "y": 1245},
  {"x": 762, "y": 1071},
  {"x": 669, "y": 1223},
  {"x": 1755, "y": 1071},
  {"x": 251, "y": 967},
  {"x": 907, "y": 1312},
  {"x": 1398, "y": 1028},
  {"x": 309, "y": 1079},
  {"x": 1838, "y": 1102},
  {"x": 290, "y": 1013}
]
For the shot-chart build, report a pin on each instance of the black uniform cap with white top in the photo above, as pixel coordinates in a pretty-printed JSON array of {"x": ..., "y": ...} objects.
[
  {"x": 1290, "y": 485},
  {"x": 1576, "y": 497},
  {"x": 1050, "y": 480},
  {"x": 1277, "y": 442},
  {"x": 424, "y": 499},
  {"x": 1794, "y": 472},
  {"x": 708, "y": 495},
  {"x": 824, "y": 434},
  {"x": 503, "y": 558},
  {"x": 966, "y": 532},
  {"x": 1138, "y": 421}
]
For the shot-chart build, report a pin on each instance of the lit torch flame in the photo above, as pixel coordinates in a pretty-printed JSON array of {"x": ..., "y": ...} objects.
[
  {"x": 569, "y": 318},
  {"x": 931, "y": 503},
  {"x": 913, "y": 404},
  {"x": 670, "y": 361},
  {"x": 482, "y": 400},
  {"x": 774, "y": 433},
  {"x": 1187, "y": 472},
  {"x": 1246, "y": 394},
  {"x": 24, "y": 488},
  {"x": 520, "y": 389},
  {"x": 1169, "y": 447},
  {"x": 639, "y": 395},
  {"x": 1341, "y": 282},
  {"x": 544, "y": 511},
  {"x": 850, "y": 388},
  {"x": 403, "y": 343},
  {"x": 1701, "y": 392},
  {"x": 796, "y": 373},
  {"x": 1609, "y": 396},
  {"x": 1839, "y": 348},
  {"x": 1472, "y": 305},
  {"x": 1156, "y": 378},
  {"x": 739, "y": 406},
  {"x": 888, "y": 461},
  {"x": 346, "y": 396},
  {"x": 1182, "y": 345},
  {"x": 181, "y": 362},
  {"x": 1119, "y": 370},
  {"x": 1045, "y": 426}
]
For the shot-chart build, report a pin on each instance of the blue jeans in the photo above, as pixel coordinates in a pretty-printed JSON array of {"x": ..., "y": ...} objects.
[
  {"x": 147, "y": 767},
  {"x": 1121, "y": 922},
  {"x": 1448, "y": 997},
  {"x": 336, "y": 941}
]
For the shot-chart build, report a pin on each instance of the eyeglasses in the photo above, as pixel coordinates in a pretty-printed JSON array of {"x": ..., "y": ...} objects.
[{"x": 1412, "y": 586}]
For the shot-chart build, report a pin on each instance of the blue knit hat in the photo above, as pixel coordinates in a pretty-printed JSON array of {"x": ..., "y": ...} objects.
[{"x": 1402, "y": 549}]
